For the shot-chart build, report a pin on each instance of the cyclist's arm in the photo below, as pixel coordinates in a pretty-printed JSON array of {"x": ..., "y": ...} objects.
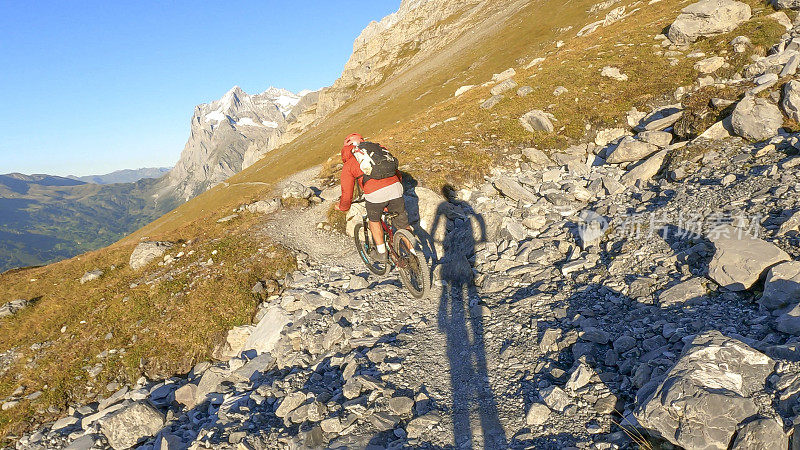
[{"x": 348, "y": 181}]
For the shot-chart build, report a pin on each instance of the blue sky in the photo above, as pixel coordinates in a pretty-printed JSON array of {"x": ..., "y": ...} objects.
[{"x": 89, "y": 87}]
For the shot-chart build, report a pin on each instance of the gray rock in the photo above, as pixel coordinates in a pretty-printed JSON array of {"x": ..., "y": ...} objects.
[
  {"x": 91, "y": 275},
  {"x": 580, "y": 377},
  {"x": 614, "y": 73},
  {"x": 503, "y": 86},
  {"x": 538, "y": 414},
  {"x": 629, "y": 150},
  {"x": 210, "y": 383},
  {"x": 268, "y": 331},
  {"x": 86, "y": 442},
  {"x": 596, "y": 335},
  {"x": 682, "y": 292},
  {"x": 127, "y": 427},
  {"x": 791, "y": 224},
  {"x": 709, "y": 65},
  {"x": 646, "y": 170},
  {"x": 537, "y": 158},
  {"x": 660, "y": 139},
  {"x": 146, "y": 252},
  {"x": 514, "y": 190},
  {"x": 707, "y": 18},
  {"x": 712, "y": 382},
  {"x": 264, "y": 206},
  {"x": 12, "y": 307},
  {"x": 294, "y": 189},
  {"x": 740, "y": 259},
  {"x": 624, "y": 343},
  {"x": 524, "y": 91},
  {"x": 537, "y": 120},
  {"x": 417, "y": 426},
  {"x": 764, "y": 433},
  {"x": 555, "y": 398},
  {"x": 789, "y": 322},
  {"x": 786, "y": 4},
  {"x": 756, "y": 119},
  {"x": 491, "y": 102},
  {"x": 186, "y": 395},
  {"x": 782, "y": 286},
  {"x": 791, "y": 100},
  {"x": 401, "y": 405},
  {"x": 290, "y": 403}
]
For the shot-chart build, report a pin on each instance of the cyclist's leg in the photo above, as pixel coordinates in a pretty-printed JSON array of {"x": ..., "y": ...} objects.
[
  {"x": 374, "y": 212},
  {"x": 398, "y": 206}
]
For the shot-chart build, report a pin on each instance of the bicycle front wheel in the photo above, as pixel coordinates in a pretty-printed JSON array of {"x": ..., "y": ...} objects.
[
  {"x": 414, "y": 270},
  {"x": 365, "y": 243}
]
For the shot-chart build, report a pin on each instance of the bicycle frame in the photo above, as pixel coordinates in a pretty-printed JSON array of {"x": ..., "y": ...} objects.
[{"x": 388, "y": 237}]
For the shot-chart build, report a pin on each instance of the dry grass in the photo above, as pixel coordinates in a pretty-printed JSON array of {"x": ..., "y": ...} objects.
[{"x": 158, "y": 329}]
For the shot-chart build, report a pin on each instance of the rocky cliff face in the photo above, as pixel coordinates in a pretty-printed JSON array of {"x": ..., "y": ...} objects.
[
  {"x": 228, "y": 135},
  {"x": 418, "y": 28}
]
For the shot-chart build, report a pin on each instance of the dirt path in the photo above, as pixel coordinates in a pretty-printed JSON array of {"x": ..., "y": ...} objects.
[
  {"x": 297, "y": 228},
  {"x": 446, "y": 348}
]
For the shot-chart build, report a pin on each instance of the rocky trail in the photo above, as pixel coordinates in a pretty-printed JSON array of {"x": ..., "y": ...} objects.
[{"x": 642, "y": 284}]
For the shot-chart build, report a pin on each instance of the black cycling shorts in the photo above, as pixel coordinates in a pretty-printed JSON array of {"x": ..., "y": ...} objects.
[{"x": 396, "y": 206}]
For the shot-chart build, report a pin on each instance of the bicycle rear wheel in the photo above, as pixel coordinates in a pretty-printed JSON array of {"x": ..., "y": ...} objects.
[
  {"x": 414, "y": 270},
  {"x": 365, "y": 243}
]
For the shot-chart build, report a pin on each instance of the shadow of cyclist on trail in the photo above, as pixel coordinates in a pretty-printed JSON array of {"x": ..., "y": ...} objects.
[{"x": 475, "y": 413}]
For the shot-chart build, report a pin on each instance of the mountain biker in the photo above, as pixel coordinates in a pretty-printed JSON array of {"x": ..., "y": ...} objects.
[{"x": 378, "y": 194}]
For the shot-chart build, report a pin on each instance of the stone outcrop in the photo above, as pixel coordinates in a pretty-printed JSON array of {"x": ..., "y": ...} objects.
[
  {"x": 145, "y": 252},
  {"x": 712, "y": 383},
  {"x": 127, "y": 427},
  {"x": 756, "y": 119},
  {"x": 707, "y": 18}
]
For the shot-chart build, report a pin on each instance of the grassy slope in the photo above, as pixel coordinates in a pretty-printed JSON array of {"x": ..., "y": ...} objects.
[
  {"x": 397, "y": 112},
  {"x": 161, "y": 328}
]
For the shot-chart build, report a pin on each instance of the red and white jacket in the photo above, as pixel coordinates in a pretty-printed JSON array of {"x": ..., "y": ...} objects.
[{"x": 352, "y": 173}]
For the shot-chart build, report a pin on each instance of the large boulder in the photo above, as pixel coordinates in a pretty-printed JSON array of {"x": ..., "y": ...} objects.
[
  {"x": 756, "y": 119},
  {"x": 646, "y": 170},
  {"x": 355, "y": 215},
  {"x": 537, "y": 120},
  {"x": 791, "y": 100},
  {"x": 707, "y": 18},
  {"x": 740, "y": 259},
  {"x": 128, "y": 426},
  {"x": 268, "y": 331},
  {"x": 146, "y": 252},
  {"x": 782, "y": 286},
  {"x": 429, "y": 212},
  {"x": 713, "y": 382},
  {"x": 630, "y": 150}
]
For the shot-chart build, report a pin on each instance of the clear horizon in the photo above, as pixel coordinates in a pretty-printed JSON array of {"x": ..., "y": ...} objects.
[{"x": 105, "y": 86}]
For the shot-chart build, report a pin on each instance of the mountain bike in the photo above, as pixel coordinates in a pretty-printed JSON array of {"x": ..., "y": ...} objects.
[{"x": 404, "y": 250}]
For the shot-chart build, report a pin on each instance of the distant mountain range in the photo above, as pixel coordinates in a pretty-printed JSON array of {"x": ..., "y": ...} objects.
[
  {"x": 45, "y": 218},
  {"x": 123, "y": 176}
]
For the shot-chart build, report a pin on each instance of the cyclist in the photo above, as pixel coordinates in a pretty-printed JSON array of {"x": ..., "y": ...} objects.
[{"x": 379, "y": 193}]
